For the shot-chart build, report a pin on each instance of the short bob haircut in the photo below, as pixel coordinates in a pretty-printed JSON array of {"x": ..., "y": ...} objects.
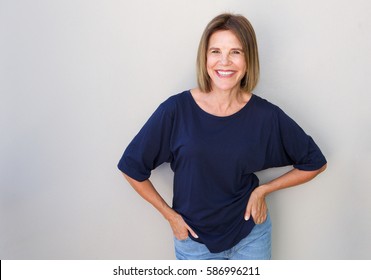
[{"x": 244, "y": 31}]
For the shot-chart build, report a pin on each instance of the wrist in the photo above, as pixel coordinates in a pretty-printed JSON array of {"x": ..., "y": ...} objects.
[
  {"x": 169, "y": 214},
  {"x": 263, "y": 190}
]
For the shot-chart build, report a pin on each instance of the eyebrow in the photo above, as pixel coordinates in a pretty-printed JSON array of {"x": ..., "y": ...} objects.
[{"x": 233, "y": 49}]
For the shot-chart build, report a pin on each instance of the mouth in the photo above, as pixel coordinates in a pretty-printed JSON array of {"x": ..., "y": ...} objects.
[{"x": 225, "y": 73}]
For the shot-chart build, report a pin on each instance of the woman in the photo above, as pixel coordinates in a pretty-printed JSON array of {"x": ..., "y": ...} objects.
[{"x": 215, "y": 137}]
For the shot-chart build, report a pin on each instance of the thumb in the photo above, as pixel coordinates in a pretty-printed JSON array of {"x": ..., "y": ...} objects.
[
  {"x": 192, "y": 232},
  {"x": 248, "y": 211}
]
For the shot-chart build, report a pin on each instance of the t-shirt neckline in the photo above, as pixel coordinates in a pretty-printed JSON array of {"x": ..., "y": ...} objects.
[{"x": 245, "y": 107}]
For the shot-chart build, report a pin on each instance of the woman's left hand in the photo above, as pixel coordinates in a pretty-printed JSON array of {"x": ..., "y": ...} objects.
[{"x": 257, "y": 207}]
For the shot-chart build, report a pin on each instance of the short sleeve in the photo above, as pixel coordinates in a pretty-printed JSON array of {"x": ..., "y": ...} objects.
[
  {"x": 292, "y": 146},
  {"x": 150, "y": 147}
]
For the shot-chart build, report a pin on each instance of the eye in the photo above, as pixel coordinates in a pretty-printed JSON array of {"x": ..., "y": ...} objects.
[
  {"x": 214, "y": 51},
  {"x": 236, "y": 52}
]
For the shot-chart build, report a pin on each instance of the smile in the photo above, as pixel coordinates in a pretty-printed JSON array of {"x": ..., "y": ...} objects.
[{"x": 225, "y": 74}]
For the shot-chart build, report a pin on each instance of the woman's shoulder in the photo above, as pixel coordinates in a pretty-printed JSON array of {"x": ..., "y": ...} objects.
[
  {"x": 272, "y": 111},
  {"x": 264, "y": 105},
  {"x": 174, "y": 102}
]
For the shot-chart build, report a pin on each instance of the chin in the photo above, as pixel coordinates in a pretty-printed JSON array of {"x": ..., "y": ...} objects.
[{"x": 225, "y": 87}]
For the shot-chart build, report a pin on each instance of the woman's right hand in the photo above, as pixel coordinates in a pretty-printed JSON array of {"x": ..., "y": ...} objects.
[
  {"x": 180, "y": 229},
  {"x": 149, "y": 193}
]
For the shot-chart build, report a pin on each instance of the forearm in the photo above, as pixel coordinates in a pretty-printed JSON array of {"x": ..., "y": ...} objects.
[
  {"x": 147, "y": 191},
  {"x": 257, "y": 206},
  {"x": 292, "y": 178}
]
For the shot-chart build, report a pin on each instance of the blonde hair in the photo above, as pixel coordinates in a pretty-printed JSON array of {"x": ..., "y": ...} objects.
[{"x": 244, "y": 31}]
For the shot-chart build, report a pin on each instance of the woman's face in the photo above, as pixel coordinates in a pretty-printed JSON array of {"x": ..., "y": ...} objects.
[{"x": 225, "y": 64}]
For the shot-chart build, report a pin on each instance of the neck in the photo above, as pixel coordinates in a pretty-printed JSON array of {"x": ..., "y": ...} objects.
[
  {"x": 227, "y": 102},
  {"x": 220, "y": 102},
  {"x": 225, "y": 98}
]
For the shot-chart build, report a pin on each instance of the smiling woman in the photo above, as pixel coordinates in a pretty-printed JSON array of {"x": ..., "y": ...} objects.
[
  {"x": 226, "y": 64},
  {"x": 226, "y": 68},
  {"x": 244, "y": 40},
  {"x": 216, "y": 137}
]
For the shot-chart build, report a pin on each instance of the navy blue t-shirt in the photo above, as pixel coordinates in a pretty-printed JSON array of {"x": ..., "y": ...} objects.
[{"x": 214, "y": 160}]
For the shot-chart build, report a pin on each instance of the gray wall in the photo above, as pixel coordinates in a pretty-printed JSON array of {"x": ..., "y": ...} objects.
[{"x": 79, "y": 78}]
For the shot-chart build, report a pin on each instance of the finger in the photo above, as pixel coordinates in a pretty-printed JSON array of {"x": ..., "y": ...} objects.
[
  {"x": 259, "y": 216},
  {"x": 248, "y": 211},
  {"x": 254, "y": 214},
  {"x": 182, "y": 236},
  {"x": 261, "y": 220},
  {"x": 181, "y": 233},
  {"x": 192, "y": 232},
  {"x": 262, "y": 217}
]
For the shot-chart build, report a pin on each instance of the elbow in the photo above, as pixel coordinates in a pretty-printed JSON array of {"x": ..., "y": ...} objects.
[
  {"x": 127, "y": 177},
  {"x": 132, "y": 180},
  {"x": 323, "y": 168}
]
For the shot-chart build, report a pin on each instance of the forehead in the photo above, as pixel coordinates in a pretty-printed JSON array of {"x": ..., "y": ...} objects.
[{"x": 224, "y": 38}]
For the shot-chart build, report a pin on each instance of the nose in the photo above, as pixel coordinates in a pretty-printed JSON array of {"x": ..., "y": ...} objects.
[{"x": 224, "y": 59}]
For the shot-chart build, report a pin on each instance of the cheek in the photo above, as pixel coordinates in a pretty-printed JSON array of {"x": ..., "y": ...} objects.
[
  {"x": 210, "y": 62},
  {"x": 209, "y": 67},
  {"x": 241, "y": 64}
]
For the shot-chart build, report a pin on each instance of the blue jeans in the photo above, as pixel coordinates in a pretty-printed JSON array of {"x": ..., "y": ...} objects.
[{"x": 255, "y": 246}]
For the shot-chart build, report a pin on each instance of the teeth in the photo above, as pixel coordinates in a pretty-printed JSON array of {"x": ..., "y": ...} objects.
[{"x": 225, "y": 73}]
